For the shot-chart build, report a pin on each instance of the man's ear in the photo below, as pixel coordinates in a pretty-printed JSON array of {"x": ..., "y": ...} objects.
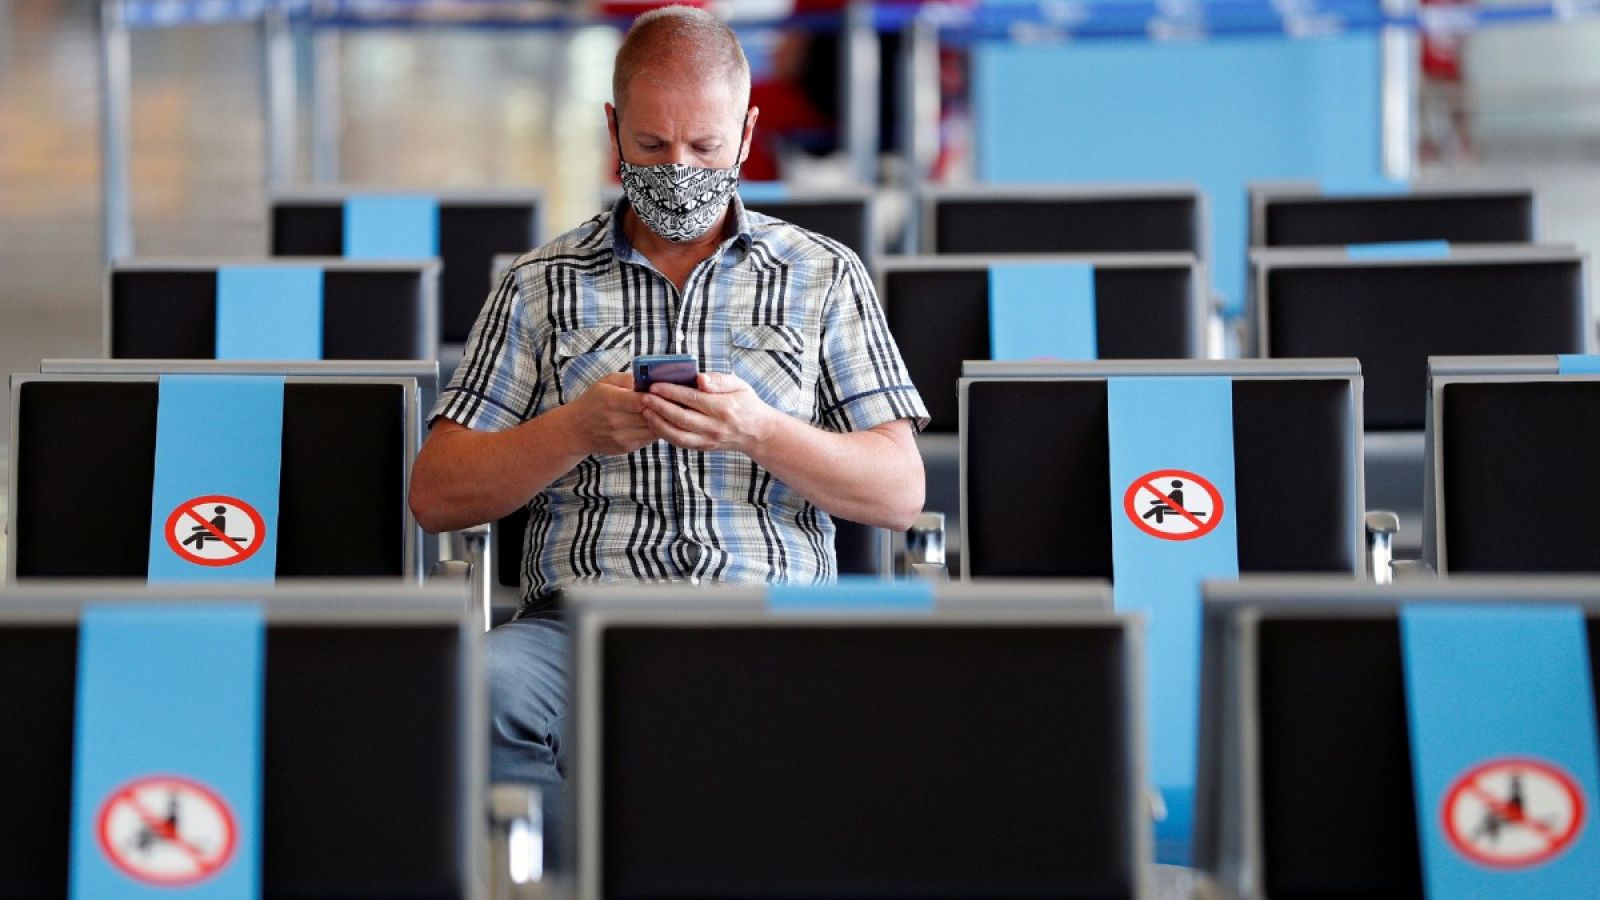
[
  {"x": 613, "y": 127},
  {"x": 749, "y": 132}
]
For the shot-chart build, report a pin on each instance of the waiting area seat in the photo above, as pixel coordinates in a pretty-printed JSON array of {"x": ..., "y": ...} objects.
[
  {"x": 1510, "y": 474},
  {"x": 828, "y": 768},
  {"x": 1036, "y": 452},
  {"x": 1308, "y": 747},
  {"x": 1063, "y": 218},
  {"x": 941, "y": 310},
  {"x": 169, "y": 309},
  {"x": 82, "y": 469},
  {"x": 372, "y": 735},
  {"x": 1304, "y": 214}
]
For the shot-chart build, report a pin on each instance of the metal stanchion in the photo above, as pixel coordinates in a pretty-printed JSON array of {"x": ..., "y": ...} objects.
[
  {"x": 516, "y": 842},
  {"x": 115, "y": 86},
  {"x": 479, "y": 542},
  {"x": 1399, "y": 49},
  {"x": 925, "y": 548},
  {"x": 861, "y": 64},
  {"x": 327, "y": 96},
  {"x": 1381, "y": 526},
  {"x": 919, "y": 117},
  {"x": 278, "y": 96}
]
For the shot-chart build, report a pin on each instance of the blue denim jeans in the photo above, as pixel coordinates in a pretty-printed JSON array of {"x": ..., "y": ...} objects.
[{"x": 526, "y": 661}]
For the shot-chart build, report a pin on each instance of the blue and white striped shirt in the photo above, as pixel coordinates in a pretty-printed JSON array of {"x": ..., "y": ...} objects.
[{"x": 791, "y": 312}]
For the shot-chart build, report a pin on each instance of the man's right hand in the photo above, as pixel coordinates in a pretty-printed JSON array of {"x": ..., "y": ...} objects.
[
  {"x": 609, "y": 417},
  {"x": 464, "y": 477}
]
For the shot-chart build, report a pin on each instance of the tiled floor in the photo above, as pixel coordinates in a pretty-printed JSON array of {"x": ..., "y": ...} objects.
[{"x": 457, "y": 108}]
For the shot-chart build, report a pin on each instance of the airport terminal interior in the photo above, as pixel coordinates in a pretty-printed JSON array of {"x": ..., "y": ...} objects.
[{"x": 1451, "y": 101}]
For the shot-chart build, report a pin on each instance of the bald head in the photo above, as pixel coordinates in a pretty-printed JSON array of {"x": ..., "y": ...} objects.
[{"x": 679, "y": 44}]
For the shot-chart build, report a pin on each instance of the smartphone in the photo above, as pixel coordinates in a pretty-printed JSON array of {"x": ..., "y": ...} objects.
[{"x": 672, "y": 368}]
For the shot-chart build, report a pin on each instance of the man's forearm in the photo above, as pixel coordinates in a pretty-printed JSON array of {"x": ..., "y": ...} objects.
[
  {"x": 874, "y": 477},
  {"x": 464, "y": 477}
]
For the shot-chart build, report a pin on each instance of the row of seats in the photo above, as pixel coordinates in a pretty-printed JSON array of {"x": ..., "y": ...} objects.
[
  {"x": 1390, "y": 313},
  {"x": 473, "y": 226},
  {"x": 829, "y": 768},
  {"x": 1506, "y": 442},
  {"x": 85, "y": 435},
  {"x": 987, "y": 744}
]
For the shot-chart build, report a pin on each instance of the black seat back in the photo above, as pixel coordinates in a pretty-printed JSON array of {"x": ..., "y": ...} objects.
[
  {"x": 83, "y": 467},
  {"x": 1394, "y": 314},
  {"x": 1512, "y": 486},
  {"x": 346, "y": 669},
  {"x": 1052, "y": 219},
  {"x": 1305, "y": 217},
  {"x": 1036, "y": 456},
  {"x": 168, "y": 310}
]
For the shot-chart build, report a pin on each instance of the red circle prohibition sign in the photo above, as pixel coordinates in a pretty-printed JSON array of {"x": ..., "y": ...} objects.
[
  {"x": 1546, "y": 812},
  {"x": 192, "y": 509},
  {"x": 194, "y": 864},
  {"x": 1199, "y": 526}
]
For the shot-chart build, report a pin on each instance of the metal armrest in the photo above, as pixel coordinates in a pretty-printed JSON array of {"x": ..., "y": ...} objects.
[
  {"x": 925, "y": 548},
  {"x": 450, "y": 569},
  {"x": 516, "y": 841},
  {"x": 1412, "y": 570},
  {"x": 1381, "y": 528},
  {"x": 478, "y": 544},
  {"x": 472, "y": 550},
  {"x": 1225, "y": 338}
]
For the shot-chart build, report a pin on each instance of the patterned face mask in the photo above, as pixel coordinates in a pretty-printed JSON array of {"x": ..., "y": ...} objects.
[{"x": 678, "y": 202}]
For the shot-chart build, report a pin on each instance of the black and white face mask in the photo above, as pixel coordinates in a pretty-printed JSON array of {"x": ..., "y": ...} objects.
[{"x": 678, "y": 202}]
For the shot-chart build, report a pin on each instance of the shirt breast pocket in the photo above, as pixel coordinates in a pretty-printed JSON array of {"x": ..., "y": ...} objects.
[
  {"x": 586, "y": 355},
  {"x": 772, "y": 360}
]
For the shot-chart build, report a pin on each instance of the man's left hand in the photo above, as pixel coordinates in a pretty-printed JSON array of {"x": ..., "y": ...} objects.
[{"x": 724, "y": 414}]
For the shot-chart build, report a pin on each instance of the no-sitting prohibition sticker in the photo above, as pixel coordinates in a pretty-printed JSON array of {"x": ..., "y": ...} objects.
[
  {"x": 1513, "y": 813},
  {"x": 167, "y": 831},
  {"x": 215, "y": 530},
  {"x": 1173, "y": 504}
]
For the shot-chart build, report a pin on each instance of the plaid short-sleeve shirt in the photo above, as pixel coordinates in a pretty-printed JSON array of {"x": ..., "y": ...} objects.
[{"x": 791, "y": 312}]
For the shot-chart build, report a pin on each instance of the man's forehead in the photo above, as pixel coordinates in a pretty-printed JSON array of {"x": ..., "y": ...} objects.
[
  {"x": 660, "y": 93},
  {"x": 671, "y": 77}
]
